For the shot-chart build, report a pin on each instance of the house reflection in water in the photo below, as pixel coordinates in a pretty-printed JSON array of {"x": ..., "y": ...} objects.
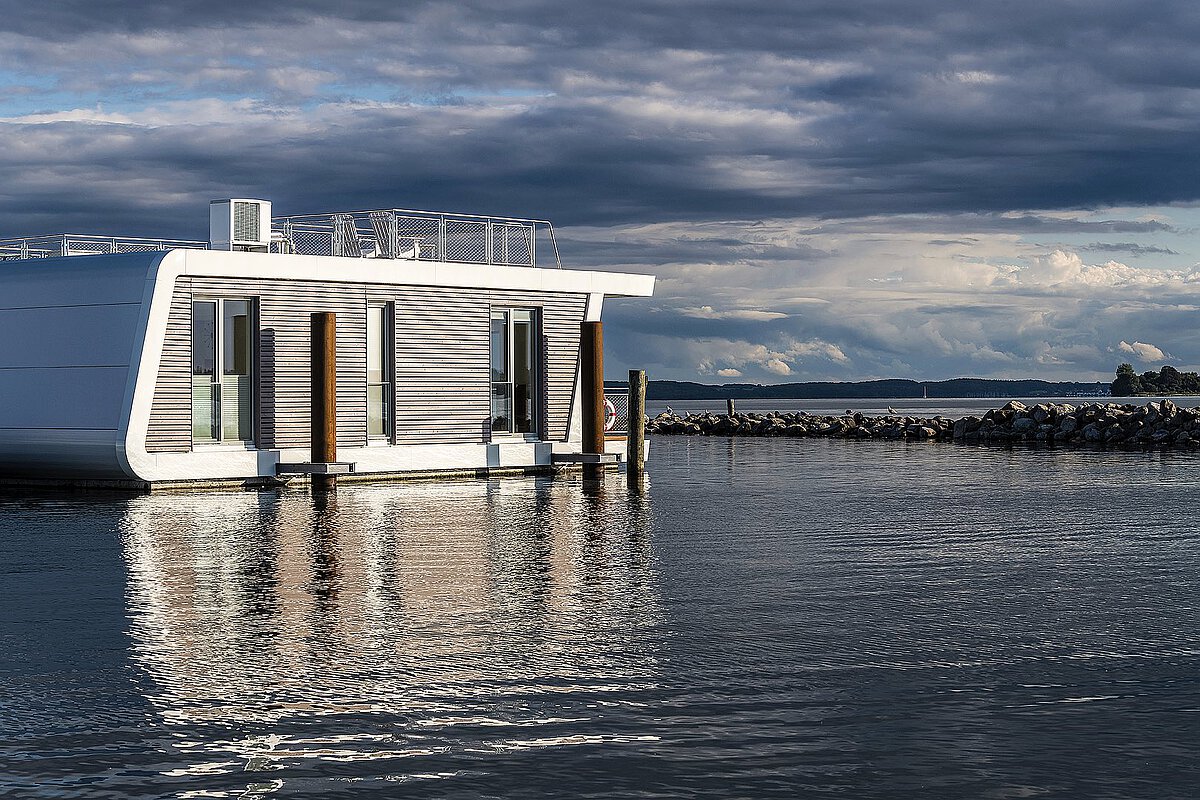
[{"x": 408, "y": 624}]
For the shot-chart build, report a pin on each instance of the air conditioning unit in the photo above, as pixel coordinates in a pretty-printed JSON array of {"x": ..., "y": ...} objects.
[{"x": 239, "y": 224}]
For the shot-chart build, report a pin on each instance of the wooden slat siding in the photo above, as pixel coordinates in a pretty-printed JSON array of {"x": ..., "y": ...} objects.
[
  {"x": 442, "y": 368},
  {"x": 560, "y": 337},
  {"x": 442, "y": 348},
  {"x": 170, "y": 426},
  {"x": 443, "y": 379}
]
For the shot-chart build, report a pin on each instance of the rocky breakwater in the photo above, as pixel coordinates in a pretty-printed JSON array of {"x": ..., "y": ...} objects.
[
  {"x": 799, "y": 423},
  {"x": 1159, "y": 423}
]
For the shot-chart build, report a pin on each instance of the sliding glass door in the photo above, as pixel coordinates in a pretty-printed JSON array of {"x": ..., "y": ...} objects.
[
  {"x": 515, "y": 380},
  {"x": 222, "y": 371}
]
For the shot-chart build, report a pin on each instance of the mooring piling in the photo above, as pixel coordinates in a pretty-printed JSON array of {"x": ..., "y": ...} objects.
[
  {"x": 324, "y": 395},
  {"x": 591, "y": 346},
  {"x": 635, "y": 447}
]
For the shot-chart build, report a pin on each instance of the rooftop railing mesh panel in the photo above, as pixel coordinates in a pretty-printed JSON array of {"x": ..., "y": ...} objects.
[
  {"x": 143, "y": 248},
  {"x": 512, "y": 244},
  {"x": 466, "y": 241},
  {"x": 312, "y": 243},
  {"x": 78, "y": 247},
  {"x": 422, "y": 230}
]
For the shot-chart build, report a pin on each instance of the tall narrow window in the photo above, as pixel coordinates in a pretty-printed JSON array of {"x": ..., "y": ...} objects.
[
  {"x": 523, "y": 369},
  {"x": 515, "y": 395},
  {"x": 379, "y": 384},
  {"x": 235, "y": 372},
  {"x": 501, "y": 385},
  {"x": 206, "y": 402},
  {"x": 222, "y": 371}
]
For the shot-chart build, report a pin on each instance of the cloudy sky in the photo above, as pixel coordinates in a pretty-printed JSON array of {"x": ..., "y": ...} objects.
[{"x": 826, "y": 189}]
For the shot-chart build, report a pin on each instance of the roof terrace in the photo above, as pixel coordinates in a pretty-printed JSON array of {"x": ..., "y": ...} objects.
[{"x": 392, "y": 233}]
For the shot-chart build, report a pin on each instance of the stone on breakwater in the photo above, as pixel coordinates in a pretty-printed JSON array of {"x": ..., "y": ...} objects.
[{"x": 1154, "y": 424}]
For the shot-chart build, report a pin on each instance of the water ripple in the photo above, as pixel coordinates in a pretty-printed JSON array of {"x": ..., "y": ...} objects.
[{"x": 772, "y": 618}]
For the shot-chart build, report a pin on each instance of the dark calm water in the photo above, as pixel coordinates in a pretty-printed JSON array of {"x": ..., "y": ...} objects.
[
  {"x": 772, "y": 618},
  {"x": 915, "y": 407}
]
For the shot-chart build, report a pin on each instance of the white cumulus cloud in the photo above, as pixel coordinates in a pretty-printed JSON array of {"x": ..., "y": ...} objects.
[
  {"x": 1142, "y": 351},
  {"x": 778, "y": 366},
  {"x": 708, "y": 312}
]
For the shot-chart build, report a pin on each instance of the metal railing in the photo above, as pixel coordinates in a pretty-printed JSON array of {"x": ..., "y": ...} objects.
[
  {"x": 618, "y": 399},
  {"x": 77, "y": 244},
  {"x": 388, "y": 233},
  {"x": 419, "y": 235}
]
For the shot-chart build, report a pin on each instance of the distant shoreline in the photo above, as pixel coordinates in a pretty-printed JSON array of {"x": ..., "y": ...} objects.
[
  {"x": 898, "y": 389},
  {"x": 1163, "y": 394}
]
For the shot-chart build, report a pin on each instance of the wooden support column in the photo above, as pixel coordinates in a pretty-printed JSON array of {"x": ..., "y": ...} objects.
[
  {"x": 591, "y": 367},
  {"x": 635, "y": 450},
  {"x": 324, "y": 394}
]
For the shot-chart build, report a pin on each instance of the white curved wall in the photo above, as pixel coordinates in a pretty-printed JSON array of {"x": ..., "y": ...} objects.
[{"x": 69, "y": 333}]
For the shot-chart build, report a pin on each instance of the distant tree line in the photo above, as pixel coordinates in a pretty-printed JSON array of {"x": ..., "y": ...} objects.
[
  {"x": 878, "y": 389},
  {"x": 1167, "y": 380}
]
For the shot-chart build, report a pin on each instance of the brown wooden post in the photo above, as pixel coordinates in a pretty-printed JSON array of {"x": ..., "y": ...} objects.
[
  {"x": 591, "y": 367},
  {"x": 324, "y": 394},
  {"x": 635, "y": 450},
  {"x": 729, "y": 407}
]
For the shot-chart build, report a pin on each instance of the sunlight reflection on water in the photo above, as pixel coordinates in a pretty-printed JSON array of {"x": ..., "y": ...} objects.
[{"x": 448, "y": 606}]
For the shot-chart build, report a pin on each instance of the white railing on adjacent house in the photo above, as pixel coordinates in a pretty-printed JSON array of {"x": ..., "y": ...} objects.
[{"x": 76, "y": 244}]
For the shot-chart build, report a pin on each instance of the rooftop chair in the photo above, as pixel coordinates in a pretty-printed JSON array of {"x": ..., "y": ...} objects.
[
  {"x": 345, "y": 237},
  {"x": 388, "y": 241}
]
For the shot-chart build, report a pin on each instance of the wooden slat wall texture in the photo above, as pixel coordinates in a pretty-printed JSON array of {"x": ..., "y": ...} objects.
[
  {"x": 442, "y": 339},
  {"x": 171, "y": 414}
]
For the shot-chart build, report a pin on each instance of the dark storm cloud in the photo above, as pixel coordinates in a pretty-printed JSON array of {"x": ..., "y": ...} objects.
[
  {"x": 1128, "y": 247},
  {"x": 1032, "y": 224},
  {"x": 1018, "y": 223},
  {"x": 66, "y": 18},
  {"x": 974, "y": 310},
  {"x": 697, "y": 250},
  {"x": 643, "y": 111}
]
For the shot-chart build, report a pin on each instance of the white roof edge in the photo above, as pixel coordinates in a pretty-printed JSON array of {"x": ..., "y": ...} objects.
[{"x": 271, "y": 266}]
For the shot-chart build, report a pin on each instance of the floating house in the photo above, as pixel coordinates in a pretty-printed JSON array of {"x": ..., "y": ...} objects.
[{"x": 148, "y": 363}]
